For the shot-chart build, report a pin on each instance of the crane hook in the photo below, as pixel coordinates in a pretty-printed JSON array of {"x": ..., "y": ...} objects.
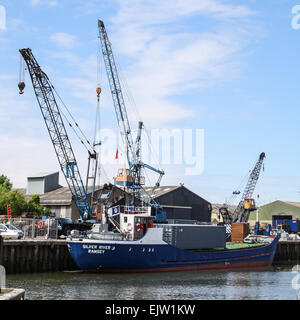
[{"x": 21, "y": 86}]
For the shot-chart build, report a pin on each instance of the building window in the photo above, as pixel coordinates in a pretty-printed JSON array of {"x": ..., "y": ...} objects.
[
  {"x": 125, "y": 219},
  {"x": 68, "y": 212}
]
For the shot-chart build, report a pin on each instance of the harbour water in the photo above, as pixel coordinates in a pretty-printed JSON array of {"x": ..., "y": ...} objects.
[{"x": 277, "y": 283}]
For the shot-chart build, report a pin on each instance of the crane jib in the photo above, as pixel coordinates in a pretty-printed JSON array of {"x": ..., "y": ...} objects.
[
  {"x": 45, "y": 96},
  {"x": 239, "y": 213},
  {"x": 132, "y": 150}
]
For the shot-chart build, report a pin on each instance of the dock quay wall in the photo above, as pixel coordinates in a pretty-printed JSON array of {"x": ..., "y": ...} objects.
[
  {"x": 37, "y": 256},
  {"x": 287, "y": 252}
]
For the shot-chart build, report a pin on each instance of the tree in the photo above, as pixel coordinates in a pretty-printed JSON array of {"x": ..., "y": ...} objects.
[
  {"x": 3, "y": 199},
  {"x": 33, "y": 206},
  {"x": 5, "y": 183},
  {"x": 18, "y": 201}
]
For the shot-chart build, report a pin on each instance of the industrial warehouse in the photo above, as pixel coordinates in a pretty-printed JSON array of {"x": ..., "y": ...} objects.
[{"x": 113, "y": 194}]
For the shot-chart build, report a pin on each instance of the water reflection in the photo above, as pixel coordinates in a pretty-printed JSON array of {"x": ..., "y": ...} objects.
[{"x": 274, "y": 284}]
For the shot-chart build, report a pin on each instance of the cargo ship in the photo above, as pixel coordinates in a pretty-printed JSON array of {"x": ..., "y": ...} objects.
[{"x": 141, "y": 245}]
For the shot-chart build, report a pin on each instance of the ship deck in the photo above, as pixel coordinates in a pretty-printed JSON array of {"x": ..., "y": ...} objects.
[
  {"x": 242, "y": 245},
  {"x": 232, "y": 246}
]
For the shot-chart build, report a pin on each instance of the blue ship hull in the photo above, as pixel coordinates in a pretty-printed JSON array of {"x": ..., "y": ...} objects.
[{"x": 134, "y": 256}]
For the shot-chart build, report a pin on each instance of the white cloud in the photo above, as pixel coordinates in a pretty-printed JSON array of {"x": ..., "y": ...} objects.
[
  {"x": 168, "y": 58},
  {"x": 64, "y": 40},
  {"x": 50, "y": 3},
  {"x": 153, "y": 12}
]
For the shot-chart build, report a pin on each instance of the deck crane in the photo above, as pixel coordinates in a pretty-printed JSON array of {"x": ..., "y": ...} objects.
[
  {"x": 131, "y": 177},
  {"x": 44, "y": 92},
  {"x": 247, "y": 203}
]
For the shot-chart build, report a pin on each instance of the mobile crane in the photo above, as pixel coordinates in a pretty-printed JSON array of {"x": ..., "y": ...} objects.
[
  {"x": 247, "y": 203},
  {"x": 44, "y": 92}
]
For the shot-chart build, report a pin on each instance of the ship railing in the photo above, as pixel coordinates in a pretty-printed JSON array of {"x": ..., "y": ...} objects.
[
  {"x": 115, "y": 224},
  {"x": 107, "y": 236},
  {"x": 135, "y": 210}
]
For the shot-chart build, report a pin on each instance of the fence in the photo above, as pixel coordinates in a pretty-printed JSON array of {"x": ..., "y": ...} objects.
[{"x": 34, "y": 228}]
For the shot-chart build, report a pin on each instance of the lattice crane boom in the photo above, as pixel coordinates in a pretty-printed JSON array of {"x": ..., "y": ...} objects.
[
  {"x": 116, "y": 91},
  {"x": 239, "y": 213},
  {"x": 50, "y": 110},
  {"x": 133, "y": 149}
]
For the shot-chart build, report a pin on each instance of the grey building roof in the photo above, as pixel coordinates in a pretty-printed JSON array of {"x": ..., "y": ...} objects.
[
  {"x": 156, "y": 192},
  {"x": 42, "y": 174},
  {"x": 159, "y": 191},
  {"x": 61, "y": 196}
]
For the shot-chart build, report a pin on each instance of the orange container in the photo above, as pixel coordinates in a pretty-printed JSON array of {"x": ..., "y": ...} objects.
[{"x": 240, "y": 230}]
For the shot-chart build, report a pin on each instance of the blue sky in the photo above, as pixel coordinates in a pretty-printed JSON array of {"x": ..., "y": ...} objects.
[{"x": 230, "y": 68}]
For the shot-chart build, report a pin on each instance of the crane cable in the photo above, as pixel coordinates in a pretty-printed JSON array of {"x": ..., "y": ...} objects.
[
  {"x": 69, "y": 122},
  {"x": 136, "y": 112},
  {"x": 97, "y": 128},
  {"x": 73, "y": 129},
  {"x": 234, "y": 196},
  {"x": 22, "y": 70}
]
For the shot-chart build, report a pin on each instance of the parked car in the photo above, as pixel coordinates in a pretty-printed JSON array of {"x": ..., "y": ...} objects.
[
  {"x": 293, "y": 237},
  {"x": 8, "y": 231}
]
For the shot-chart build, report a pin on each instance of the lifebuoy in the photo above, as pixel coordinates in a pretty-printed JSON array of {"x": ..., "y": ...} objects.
[
  {"x": 129, "y": 227},
  {"x": 41, "y": 224}
]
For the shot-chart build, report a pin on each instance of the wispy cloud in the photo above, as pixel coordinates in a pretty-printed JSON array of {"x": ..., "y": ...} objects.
[
  {"x": 64, "y": 40},
  {"x": 51, "y": 3},
  {"x": 153, "y": 12},
  {"x": 168, "y": 59}
]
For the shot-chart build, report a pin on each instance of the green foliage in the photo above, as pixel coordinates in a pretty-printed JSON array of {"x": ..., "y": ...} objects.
[
  {"x": 18, "y": 201},
  {"x": 34, "y": 206},
  {"x": 35, "y": 199},
  {"x": 5, "y": 183}
]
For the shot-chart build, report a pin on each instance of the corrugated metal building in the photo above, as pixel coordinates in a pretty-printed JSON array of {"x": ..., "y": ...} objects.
[
  {"x": 178, "y": 201},
  {"x": 278, "y": 208},
  {"x": 42, "y": 183},
  {"x": 181, "y": 203}
]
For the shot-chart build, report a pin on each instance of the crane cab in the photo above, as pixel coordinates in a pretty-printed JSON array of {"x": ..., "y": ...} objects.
[
  {"x": 249, "y": 204},
  {"x": 124, "y": 178}
]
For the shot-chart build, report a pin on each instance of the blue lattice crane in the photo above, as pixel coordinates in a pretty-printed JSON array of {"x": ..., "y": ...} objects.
[
  {"x": 44, "y": 92},
  {"x": 130, "y": 178}
]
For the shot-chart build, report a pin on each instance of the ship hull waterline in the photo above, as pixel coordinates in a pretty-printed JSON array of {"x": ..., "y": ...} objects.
[{"x": 121, "y": 257}]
